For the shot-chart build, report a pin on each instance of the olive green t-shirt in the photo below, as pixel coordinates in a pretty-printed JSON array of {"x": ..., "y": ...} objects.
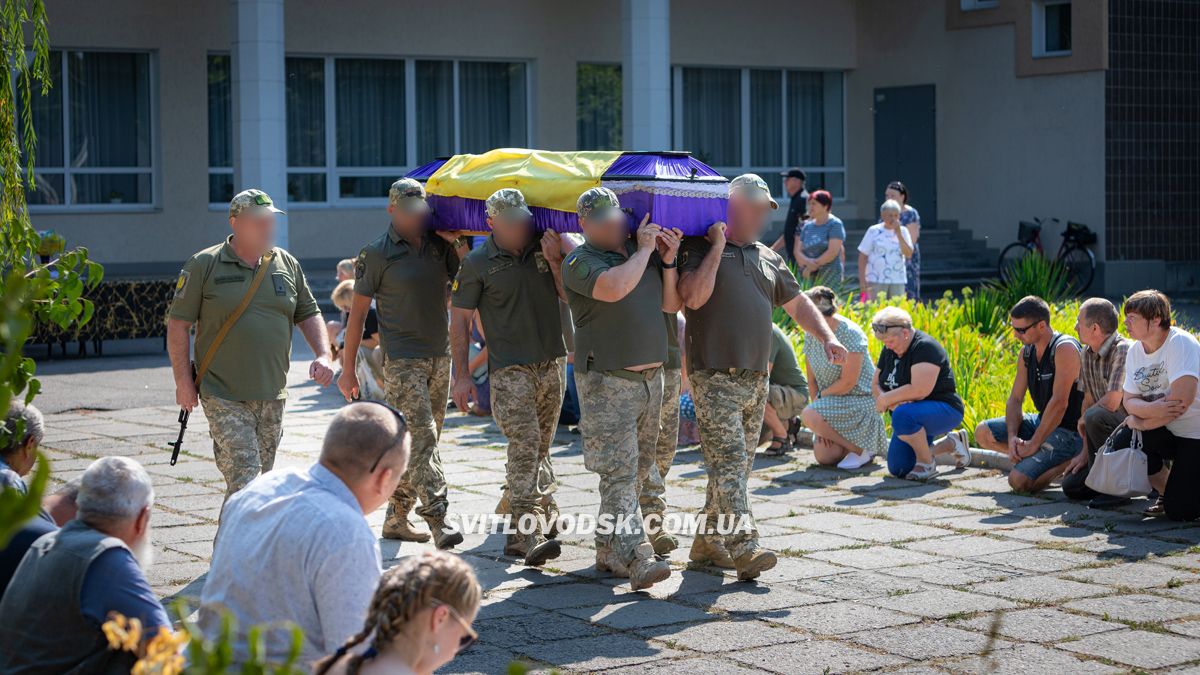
[
  {"x": 784, "y": 368},
  {"x": 410, "y": 290},
  {"x": 517, "y": 302},
  {"x": 614, "y": 335},
  {"x": 251, "y": 363},
  {"x": 674, "y": 359},
  {"x": 733, "y": 329}
]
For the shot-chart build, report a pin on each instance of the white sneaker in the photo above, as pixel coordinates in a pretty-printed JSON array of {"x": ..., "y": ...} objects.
[{"x": 856, "y": 460}]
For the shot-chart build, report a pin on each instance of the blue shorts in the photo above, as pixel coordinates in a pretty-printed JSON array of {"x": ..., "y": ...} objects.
[
  {"x": 1060, "y": 446},
  {"x": 935, "y": 417}
]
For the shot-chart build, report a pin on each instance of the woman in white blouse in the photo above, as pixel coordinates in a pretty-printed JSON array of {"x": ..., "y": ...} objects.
[{"x": 882, "y": 255}]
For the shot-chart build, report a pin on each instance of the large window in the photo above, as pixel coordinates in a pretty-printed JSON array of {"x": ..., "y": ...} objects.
[
  {"x": 598, "y": 106},
  {"x": 764, "y": 120},
  {"x": 94, "y": 135},
  {"x": 355, "y": 124}
]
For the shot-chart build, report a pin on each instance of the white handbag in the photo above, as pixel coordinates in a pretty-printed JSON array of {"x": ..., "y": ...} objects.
[{"x": 1120, "y": 472}]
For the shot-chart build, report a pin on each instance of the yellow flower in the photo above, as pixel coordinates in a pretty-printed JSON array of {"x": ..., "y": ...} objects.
[
  {"x": 123, "y": 634},
  {"x": 162, "y": 654}
]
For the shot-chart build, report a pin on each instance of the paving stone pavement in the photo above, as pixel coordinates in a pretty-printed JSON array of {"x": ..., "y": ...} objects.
[{"x": 876, "y": 574}]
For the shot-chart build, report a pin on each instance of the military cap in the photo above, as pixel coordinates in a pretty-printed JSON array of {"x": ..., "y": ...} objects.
[
  {"x": 507, "y": 203},
  {"x": 407, "y": 194},
  {"x": 752, "y": 186},
  {"x": 251, "y": 200},
  {"x": 599, "y": 203}
]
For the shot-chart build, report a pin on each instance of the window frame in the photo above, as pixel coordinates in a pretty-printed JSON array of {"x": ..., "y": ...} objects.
[
  {"x": 1039, "y": 28},
  {"x": 66, "y": 170},
  {"x": 745, "y": 102},
  {"x": 976, "y": 5},
  {"x": 334, "y": 173}
]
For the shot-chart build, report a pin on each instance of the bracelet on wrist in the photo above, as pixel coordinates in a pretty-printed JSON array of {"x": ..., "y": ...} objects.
[{"x": 671, "y": 265}]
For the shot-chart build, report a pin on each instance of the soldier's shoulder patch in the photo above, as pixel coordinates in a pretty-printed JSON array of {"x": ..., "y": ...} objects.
[
  {"x": 181, "y": 284},
  {"x": 454, "y": 286},
  {"x": 360, "y": 265}
]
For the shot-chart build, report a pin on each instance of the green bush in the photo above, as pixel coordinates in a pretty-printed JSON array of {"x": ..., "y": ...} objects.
[{"x": 974, "y": 330}]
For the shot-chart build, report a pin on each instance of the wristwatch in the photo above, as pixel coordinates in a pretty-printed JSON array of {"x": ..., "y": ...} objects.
[{"x": 670, "y": 265}]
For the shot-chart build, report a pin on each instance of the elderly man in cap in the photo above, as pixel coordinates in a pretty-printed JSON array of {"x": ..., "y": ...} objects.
[
  {"x": 407, "y": 270},
  {"x": 514, "y": 281},
  {"x": 243, "y": 389},
  {"x": 618, "y": 289},
  {"x": 730, "y": 283},
  {"x": 71, "y": 580},
  {"x": 793, "y": 183}
]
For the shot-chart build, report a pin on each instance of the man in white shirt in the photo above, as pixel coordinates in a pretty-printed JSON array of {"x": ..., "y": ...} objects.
[
  {"x": 1161, "y": 372},
  {"x": 295, "y": 545}
]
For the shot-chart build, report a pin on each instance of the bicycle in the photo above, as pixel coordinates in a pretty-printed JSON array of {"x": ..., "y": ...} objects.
[{"x": 1073, "y": 254}]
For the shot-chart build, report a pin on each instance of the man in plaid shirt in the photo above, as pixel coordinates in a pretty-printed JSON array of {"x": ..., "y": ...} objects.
[{"x": 1100, "y": 378}]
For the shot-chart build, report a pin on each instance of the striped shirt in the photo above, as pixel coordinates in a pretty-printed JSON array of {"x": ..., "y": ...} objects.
[{"x": 1103, "y": 370}]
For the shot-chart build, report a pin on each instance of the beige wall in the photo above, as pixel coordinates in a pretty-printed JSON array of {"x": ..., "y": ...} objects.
[{"x": 1008, "y": 148}]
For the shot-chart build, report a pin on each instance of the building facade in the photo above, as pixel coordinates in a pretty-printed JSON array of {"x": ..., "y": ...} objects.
[{"x": 992, "y": 111}]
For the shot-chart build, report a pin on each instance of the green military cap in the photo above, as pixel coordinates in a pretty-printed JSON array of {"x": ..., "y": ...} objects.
[
  {"x": 251, "y": 200},
  {"x": 599, "y": 203},
  {"x": 750, "y": 185},
  {"x": 507, "y": 203},
  {"x": 407, "y": 194}
]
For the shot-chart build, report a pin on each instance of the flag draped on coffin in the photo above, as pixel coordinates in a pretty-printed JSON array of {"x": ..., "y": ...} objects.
[{"x": 676, "y": 189}]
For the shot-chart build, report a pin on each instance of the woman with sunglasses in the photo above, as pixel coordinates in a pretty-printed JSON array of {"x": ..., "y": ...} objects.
[
  {"x": 916, "y": 383},
  {"x": 419, "y": 619}
]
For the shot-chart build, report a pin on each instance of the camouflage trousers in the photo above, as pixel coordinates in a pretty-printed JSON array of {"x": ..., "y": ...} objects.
[
  {"x": 729, "y": 413},
  {"x": 419, "y": 388},
  {"x": 526, "y": 400},
  {"x": 618, "y": 417},
  {"x": 651, "y": 492},
  {"x": 245, "y": 436}
]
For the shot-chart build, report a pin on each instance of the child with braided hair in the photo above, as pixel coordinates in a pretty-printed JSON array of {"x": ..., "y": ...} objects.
[{"x": 419, "y": 619}]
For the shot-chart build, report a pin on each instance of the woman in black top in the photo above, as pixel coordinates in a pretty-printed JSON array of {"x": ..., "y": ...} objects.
[{"x": 915, "y": 382}]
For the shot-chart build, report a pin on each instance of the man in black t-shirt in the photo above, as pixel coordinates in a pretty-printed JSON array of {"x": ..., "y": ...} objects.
[
  {"x": 797, "y": 213},
  {"x": 1040, "y": 444},
  {"x": 915, "y": 382}
]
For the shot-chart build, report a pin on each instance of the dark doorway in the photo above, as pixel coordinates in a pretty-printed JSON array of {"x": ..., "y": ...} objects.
[{"x": 906, "y": 146}]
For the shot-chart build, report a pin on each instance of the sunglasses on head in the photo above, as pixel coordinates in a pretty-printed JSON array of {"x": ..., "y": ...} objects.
[
  {"x": 471, "y": 637},
  {"x": 882, "y": 328},
  {"x": 401, "y": 424}
]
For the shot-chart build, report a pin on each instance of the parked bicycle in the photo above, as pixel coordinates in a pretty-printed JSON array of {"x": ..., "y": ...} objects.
[{"x": 1073, "y": 254}]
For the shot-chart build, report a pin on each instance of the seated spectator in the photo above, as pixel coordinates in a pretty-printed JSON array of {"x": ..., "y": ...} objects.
[
  {"x": 819, "y": 248},
  {"x": 847, "y": 430},
  {"x": 916, "y": 383},
  {"x": 294, "y": 545},
  {"x": 883, "y": 254},
  {"x": 369, "y": 364},
  {"x": 787, "y": 393},
  {"x": 57, "y": 509},
  {"x": 1039, "y": 444},
  {"x": 18, "y": 455},
  {"x": 1101, "y": 378},
  {"x": 418, "y": 621},
  {"x": 1160, "y": 394},
  {"x": 70, "y": 580},
  {"x": 345, "y": 272}
]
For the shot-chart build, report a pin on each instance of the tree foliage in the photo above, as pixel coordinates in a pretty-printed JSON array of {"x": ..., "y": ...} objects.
[{"x": 31, "y": 292}]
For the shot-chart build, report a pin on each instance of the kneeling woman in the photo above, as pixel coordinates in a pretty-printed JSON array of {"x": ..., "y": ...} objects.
[
  {"x": 847, "y": 429},
  {"x": 419, "y": 619},
  {"x": 915, "y": 382}
]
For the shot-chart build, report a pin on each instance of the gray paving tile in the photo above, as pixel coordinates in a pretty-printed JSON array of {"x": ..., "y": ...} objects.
[
  {"x": 639, "y": 614},
  {"x": 860, "y": 585},
  {"x": 874, "y": 557},
  {"x": 1137, "y": 607},
  {"x": 1029, "y": 658},
  {"x": 953, "y": 572},
  {"x": 720, "y": 636},
  {"x": 1039, "y": 560},
  {"x": 927, "y": 641},
  {"x": 966, "y": 545},
  {"x": 1138, "y": 648},
  {"x": 1134, "y": 575},
  {"x": 1040, "y": 589},
  {"x": 752, "y": 598},
  {"x": 597, "y": 652},
  {"x": 814, "y": 656},
  {"x": 1040, "y": 624},
  {"x": 841, "y": 617},
  {"x": 940, "y": 603}
]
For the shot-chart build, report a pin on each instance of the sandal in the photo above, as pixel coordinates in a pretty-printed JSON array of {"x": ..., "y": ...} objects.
[
  {"x": 922, "y": 471},
  {"x": 773, "y": 450},
  {"x": 962, "y": 451},
  {"x": 794, "y": 427},
  {"x": 1158, "y": 508}
]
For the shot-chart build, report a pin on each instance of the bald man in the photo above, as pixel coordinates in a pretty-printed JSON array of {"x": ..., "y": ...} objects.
[{"x": 300, "y": 538}]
